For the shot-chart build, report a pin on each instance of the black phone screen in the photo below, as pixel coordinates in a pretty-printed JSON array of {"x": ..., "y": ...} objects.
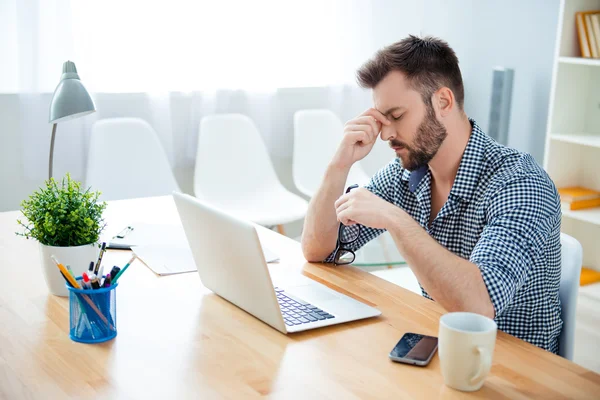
[{"x": 415, "y": 347}]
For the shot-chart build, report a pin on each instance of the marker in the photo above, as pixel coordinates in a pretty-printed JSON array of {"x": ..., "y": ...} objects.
[
  {"x": 114, "y": 272},
  {"x": 124, "y": 268},
  {"x": 106, "y": 281},
  {"x": 91, "y": 268},
  {"x": 86, "y": 281},
  {"x": 100, "y": 255}
]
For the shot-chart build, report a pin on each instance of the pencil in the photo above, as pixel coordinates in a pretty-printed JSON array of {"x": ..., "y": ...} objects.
[{"x": 124, "y": 268}]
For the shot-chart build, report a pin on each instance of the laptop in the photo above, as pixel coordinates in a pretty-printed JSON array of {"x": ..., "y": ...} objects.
[{"x": 231, "y": 263}]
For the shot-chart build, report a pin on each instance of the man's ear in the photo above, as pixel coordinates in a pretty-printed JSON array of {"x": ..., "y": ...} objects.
[{"x": 443, "y": 101}]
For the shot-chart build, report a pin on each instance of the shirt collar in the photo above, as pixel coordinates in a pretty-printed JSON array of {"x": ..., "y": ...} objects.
[{"x": 469, "y": 170}]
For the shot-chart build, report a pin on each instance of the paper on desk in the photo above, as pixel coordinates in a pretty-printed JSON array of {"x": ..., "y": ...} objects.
[
  {"x": 169, "y": 260},
  {"x": 166, "y": 260}
]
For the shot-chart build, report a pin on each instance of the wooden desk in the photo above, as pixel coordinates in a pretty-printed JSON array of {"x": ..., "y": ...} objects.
[{"x": 178, "y": 340}]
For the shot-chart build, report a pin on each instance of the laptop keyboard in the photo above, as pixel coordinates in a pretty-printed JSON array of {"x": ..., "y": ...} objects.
[{"x": 298, "y": 312}]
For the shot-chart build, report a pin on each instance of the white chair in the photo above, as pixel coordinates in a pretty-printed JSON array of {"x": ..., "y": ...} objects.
[
  {"x": 126, "y": 160},
  {"x": 317, "y": 134},
  {"x": 234, "y": 172},
  {"x": 572, "y": 255}
]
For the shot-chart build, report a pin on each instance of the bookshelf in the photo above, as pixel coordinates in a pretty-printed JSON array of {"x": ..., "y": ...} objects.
[
  {"x": 579, "y": 60},
  {"x": 585, "y": 139},
  {"x": 572, "y": 152}
]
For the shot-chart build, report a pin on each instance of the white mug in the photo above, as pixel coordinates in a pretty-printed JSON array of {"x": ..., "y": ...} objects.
[{"x": 466, "y": 345}]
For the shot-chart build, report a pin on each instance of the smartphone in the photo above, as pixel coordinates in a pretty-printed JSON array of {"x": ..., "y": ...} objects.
[{"x": 414, "y": 349}]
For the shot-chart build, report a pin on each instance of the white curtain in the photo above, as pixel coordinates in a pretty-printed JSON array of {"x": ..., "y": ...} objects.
[{"x": 173, "y": 62}]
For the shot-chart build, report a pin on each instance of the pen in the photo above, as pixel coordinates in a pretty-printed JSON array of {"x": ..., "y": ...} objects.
[
  {"x": 106, "y": 281},
  {"x": 124, "y": 268},
  {"x": 100, "y": 255},
  {"x": 124, "y": 232},
  {"x": 73, "y": 282},
  {"x": 100, "y": 275},
  {"x": 95, "y": 282}
]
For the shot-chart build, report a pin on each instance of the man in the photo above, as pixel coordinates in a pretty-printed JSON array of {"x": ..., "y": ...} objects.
[{"x": 478, "y": 223}]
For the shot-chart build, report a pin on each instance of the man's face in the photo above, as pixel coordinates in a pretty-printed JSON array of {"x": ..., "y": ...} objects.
[{"x": 415, "y": 133}]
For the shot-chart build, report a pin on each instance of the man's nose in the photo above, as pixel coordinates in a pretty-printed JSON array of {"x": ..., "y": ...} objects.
[{"x": 387, "y": 132}]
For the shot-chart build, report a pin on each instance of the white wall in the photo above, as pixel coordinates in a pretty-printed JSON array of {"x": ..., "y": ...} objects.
[
  {"x": 14, "y": 187},
  {"x": 510, "y": 33},
  {"x": 484, "y": 34}
]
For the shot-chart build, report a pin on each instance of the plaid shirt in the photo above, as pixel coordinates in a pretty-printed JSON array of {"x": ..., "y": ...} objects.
[{"x": 503, "y": 215}]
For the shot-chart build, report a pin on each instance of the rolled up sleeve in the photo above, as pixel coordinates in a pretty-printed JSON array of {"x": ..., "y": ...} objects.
[{"x": 520, "y": 219}]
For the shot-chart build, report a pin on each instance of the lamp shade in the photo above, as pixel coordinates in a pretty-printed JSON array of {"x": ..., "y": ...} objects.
[{"x": 70, "y": 99}]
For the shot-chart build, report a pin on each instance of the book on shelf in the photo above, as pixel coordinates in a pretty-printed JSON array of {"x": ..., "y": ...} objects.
[
  {"x": 595, "y": 19},
  {"x": 588, "y": 33},
  {"x": 578, "y": 198}
]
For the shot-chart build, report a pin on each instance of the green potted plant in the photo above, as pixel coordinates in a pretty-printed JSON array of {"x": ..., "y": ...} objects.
[{"x": 67, "y": 223}]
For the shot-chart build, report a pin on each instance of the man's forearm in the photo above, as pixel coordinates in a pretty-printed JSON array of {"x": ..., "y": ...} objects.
[
  {"x": 320, "y": 224},
  {"x": 450, "y": 280}
]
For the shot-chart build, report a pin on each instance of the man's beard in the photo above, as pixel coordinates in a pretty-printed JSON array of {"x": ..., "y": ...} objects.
[{"x": 430, "y": 136}]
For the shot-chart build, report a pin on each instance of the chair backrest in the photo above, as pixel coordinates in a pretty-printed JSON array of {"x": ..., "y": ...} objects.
[
  {"x": 572, "y": 255},
  {"x": 126, "y": 160},
  {"x": 232, "y": 159},
  {"x": 317, "y": 134}
]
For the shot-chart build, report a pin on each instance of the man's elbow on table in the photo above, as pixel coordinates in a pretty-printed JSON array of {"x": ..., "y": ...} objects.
[
  {"x": 482, "y": 306},
  {"x": 313, "y": 252}
]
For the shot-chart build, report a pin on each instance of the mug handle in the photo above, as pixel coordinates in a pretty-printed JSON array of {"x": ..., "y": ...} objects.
[{"x": 485, "y": 364}]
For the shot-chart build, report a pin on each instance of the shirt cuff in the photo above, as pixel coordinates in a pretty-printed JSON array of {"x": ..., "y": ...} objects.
[{"x": 499, "y": 287}]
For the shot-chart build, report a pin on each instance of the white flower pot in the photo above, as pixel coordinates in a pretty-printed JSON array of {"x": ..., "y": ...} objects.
[{"x": 77, "y": 257}]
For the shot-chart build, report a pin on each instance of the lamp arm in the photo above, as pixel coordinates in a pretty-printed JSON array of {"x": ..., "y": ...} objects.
[{"x": 51, "y": 151}]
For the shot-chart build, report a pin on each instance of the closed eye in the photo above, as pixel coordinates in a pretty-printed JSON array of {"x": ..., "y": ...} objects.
[{"x": 397, "y": 118}]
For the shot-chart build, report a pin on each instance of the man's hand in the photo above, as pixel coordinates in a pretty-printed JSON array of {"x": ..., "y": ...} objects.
[
  {"x": 360, "y": 135},
  {"x": 360, "y": 206}
]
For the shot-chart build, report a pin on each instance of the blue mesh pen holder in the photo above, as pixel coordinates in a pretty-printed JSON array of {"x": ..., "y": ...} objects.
[{"x": 92, "y": 314}]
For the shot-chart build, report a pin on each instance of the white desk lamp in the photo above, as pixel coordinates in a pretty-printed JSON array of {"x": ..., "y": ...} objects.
[{"x": 70, "y": 100}]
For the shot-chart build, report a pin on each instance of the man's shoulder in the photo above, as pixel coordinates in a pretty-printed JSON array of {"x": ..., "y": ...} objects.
[
  {"x": 515, "y": 179},
  {"x": 505, "y": 166}
]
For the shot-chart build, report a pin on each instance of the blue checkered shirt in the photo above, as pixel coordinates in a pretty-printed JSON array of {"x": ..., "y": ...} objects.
[{"x": 503, "y": 215}]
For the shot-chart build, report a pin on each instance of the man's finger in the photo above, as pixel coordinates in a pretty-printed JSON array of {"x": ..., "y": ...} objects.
[
  {"x": 377, "y": 115},
  {"x": 368, "y": 121},
  {"x": 360, "y": 136},
  {"x": 364, "y": 127},
  {"x": 343, "y": 206},
  {"x": 344, "y": 218},
  {"x": 343, "y": 198}
]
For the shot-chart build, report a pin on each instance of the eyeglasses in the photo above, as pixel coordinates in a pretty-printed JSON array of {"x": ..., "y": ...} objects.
[{"x": 346, "y": 236}]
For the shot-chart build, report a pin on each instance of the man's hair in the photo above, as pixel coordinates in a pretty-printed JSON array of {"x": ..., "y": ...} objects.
[{"x": 428, "y": 63}]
